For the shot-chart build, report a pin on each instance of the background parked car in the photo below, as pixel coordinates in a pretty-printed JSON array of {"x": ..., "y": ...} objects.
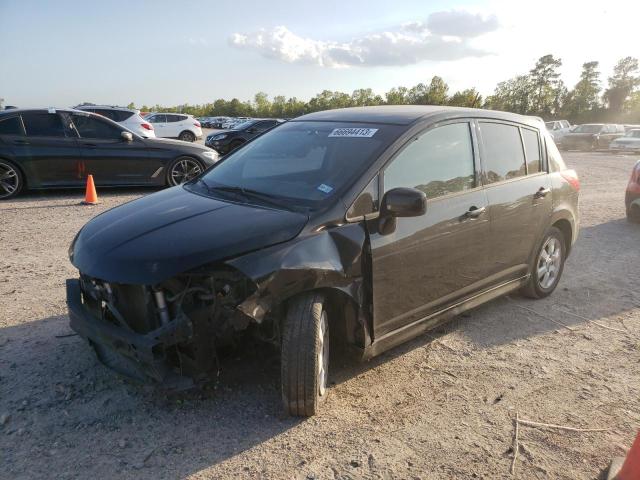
[
  {"x": 630, "y": 142},
  {"x": 228, "y": 140},
  {"x": 558, "y": 129},
  {"x": 176, "y": 125},
  {"x": 591, "y": 136},
  {"x": 631, "y": 127},
  {"x": 126, "y": 117},
  {"x": 48, "y": 148},
  {"x": 632, "y": 196}
]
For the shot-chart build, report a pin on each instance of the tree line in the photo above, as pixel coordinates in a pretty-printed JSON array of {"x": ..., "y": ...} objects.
[{"x": 539, "y": 92}]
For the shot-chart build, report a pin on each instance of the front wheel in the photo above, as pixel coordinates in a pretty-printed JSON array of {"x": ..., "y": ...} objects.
[
  {"x": 305, "y": 355},
  {"x": 548, "y": 265},
  {"x": 11, "y": 180},
  {"x": 187, "y": 136},
  {"x": 182, "y": 170}
]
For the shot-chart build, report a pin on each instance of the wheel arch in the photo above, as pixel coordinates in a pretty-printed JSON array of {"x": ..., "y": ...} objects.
[
  {"x": 566, "y": 229},
  {"x": 173, "y": 161},
  {"x": 19, "y": 167}
]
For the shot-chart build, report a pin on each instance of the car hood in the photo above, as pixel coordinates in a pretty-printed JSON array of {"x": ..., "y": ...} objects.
[{"x": 158, "y": 236}]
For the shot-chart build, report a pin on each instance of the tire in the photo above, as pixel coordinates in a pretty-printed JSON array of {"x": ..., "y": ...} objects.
[
  {"x": 305, "y": 355},
  {"x": 11, "y": 180},
  {"x": 235, "y": 144},
  {"x": 183, "y": 169},
  {"x": 633, "y": 214},
  {"x": 545, "y": 274},
  {"x": 187, "y": 136}
]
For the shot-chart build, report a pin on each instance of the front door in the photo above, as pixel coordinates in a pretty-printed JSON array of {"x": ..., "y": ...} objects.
[
  {"x": 518, "y": 190},
  {"x": 108, "y": 157},
  {"x": 429, "y": 262}
]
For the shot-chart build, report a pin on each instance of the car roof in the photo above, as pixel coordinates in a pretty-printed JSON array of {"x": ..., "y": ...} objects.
[
  {"x": 105, "y": 107},
  {"x": 42, "y": 109},
  {"x": 406, "y": 114}
]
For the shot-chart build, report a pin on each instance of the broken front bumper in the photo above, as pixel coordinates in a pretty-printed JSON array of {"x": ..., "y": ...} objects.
[{"x": 137, "y": 356}]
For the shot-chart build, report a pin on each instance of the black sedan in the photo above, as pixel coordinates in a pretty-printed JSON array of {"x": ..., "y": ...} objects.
[
  {"x": 49, "y": 148},
  {"x": 227, "y": 140}
]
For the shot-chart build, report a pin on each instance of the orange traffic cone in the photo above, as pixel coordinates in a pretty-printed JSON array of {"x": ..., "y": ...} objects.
[
  {"x": 90, "y": 197},
  {"x": 631, "y": 467}
]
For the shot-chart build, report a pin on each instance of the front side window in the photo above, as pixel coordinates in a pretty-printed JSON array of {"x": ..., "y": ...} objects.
[
  {"x": 589, "y": 128},
  {"x": 503, "y": 153},
  {"x": 532, "y": 149},
  {"x": 438, "y": 162},
  {"x": 92, "y": 127},
  {"x": 11, "y": 126},
  {"x": 43, "y": 124},
  {"x": 303, "y": 163},
  {"x": 158, "y": 119}
]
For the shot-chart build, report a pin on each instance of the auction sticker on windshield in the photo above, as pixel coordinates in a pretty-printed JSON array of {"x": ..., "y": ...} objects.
[{"x": 353, "y": 132}]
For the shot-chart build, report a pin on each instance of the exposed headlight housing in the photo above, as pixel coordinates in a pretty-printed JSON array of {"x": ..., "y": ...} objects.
[
  {"x": 219, "y": 136},
  {"x": 211, "y": 155}
]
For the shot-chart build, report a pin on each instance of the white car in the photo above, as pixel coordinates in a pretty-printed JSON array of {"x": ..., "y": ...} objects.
[
  {"x": 558, "y": 129},
  {"x": 629, "y": 143},
  {"x": 175, "y": 125},
  {"x": 128, "y": 118}
]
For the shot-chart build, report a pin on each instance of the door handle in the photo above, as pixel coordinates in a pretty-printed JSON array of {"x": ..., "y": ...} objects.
[
  {"x": 475, "y": 212},
  {"x": 542, "y": 192}
]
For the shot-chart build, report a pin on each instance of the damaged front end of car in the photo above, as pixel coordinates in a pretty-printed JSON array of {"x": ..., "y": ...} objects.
[{"x": 166, "y": 333}]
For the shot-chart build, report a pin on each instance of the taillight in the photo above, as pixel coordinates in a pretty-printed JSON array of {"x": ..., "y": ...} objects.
[
  {"x": 635, "y": 175},
  {"x": 147, "y": 126},
  {"x": 197, "y": 124},
  {"x": 572, "y": 179}
]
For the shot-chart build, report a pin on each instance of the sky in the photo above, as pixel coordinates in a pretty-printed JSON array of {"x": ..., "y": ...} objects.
[{"x": 64, "y": 52}]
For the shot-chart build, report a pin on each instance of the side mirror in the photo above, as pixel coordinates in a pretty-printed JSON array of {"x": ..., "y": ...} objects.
[
  {"x": 403, "y": 202},
  {"x": 126, "y": 136}
]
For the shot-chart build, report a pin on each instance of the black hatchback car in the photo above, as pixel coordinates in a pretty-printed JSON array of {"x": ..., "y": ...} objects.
[
  {"x": 227, "y": 140},
  {"x": 375, "y": 224},
  {"x": 49, "y": 148}
]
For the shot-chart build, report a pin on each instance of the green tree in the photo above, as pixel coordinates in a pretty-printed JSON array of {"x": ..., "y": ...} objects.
[
  {"x": 546, "y": 86},
  {"x": 397, "y": 96},
  {"x": 585, "y": 96},
  {"x": 513, "y": 95},
  {"x": 437, "y": 91},
  {"x": 622, "y": 84},
  {"x": 470, "y": 98}
]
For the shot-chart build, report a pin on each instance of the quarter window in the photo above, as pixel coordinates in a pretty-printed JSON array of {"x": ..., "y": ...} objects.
[
  {"x": 11, "y": 126},
  {"x": 532, "y": 150},
  {"x": 43, "y": 125},
  {"x": 92, "y": 127},
  {"x": 438, "y": 162},
  {"x": 503, "y": 153}
]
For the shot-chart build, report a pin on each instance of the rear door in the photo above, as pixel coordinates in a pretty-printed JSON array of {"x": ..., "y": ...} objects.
[
  {"x": 519, "y": 195},
  {"x": 429, "y": 262},
  {"x": 108, "y": 157},
  {"x": 160, "y": 126},
  {"x": 49, "y": 152}
]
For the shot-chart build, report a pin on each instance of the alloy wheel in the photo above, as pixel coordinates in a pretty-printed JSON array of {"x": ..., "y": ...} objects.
[
  {"x": 184, "y": 170},
  {"x": 323, "y": 354},
  {"x": 9, "y": 180},
  {"x": 549, "y": 262}
]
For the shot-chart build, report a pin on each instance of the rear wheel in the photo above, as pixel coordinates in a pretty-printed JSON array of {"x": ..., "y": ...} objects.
[
  {"x": 548, "y": 265},
  {"x": 187, "y": 136},
  {"x": 182, "y": 170},
  {"x": 305, "y": 355},
  {"x": 11, "y": 180}
]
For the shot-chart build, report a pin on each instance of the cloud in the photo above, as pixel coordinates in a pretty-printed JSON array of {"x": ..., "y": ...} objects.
[
  {"x": 445, "y": 36},
  {"x": 459, "y": 23}
]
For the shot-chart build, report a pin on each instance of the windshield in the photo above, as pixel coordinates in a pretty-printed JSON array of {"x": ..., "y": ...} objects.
[
  {"x": 588, "y": 129},
  {"x": 549, "y": 125},
  {"x": 304, "y": 163}
]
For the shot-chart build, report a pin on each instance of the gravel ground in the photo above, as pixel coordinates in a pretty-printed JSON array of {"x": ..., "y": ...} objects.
[{"x": 441, "y": 406}]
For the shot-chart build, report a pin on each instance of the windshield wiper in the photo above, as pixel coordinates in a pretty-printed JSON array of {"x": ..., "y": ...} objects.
[{"x": 249, "y": 193}]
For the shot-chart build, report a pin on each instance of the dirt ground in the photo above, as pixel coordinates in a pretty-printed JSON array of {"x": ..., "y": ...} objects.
[{"x": 441, "y": 406}]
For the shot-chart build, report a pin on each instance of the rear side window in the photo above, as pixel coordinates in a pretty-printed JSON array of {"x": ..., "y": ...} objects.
[
  {"x": 438, "y": 162},
  {"x": 503, "y": 153},
  {"x": 11, "y": 126},
  {"x": 92, "y": 127},
  {"x": 121, "y": 115},
  {"x": 158, "y": 119},
  {"x": 532, "y": 150},
  {"x": 43, "y": 125}
]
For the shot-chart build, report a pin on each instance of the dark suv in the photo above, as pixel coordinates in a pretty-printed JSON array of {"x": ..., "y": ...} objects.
[
  {"x": 227, "y": 140},
  {"x": 375, "y": 223},
  {"x": 592, "y": 136}
]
